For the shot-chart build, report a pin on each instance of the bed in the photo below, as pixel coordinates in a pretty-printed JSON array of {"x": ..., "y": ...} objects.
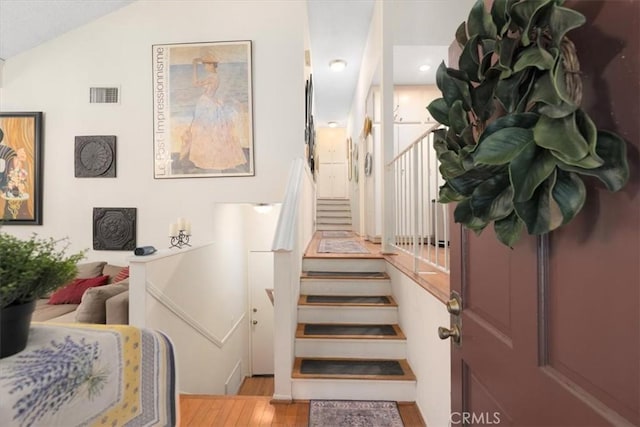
[{"x": 84, "y": 375}]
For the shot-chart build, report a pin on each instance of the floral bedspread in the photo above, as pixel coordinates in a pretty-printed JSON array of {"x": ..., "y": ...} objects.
[{"x": 89, "y": 375}]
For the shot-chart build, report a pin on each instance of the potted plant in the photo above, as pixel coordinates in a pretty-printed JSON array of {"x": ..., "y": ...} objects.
[
  {"x": 29, "y": 269},
  {"x": 518, "y": 143}
]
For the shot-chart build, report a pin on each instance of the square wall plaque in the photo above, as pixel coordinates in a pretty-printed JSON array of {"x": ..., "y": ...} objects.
[
  {"x": 95, "y": 156},
  {"x": 114, "y": 229}
]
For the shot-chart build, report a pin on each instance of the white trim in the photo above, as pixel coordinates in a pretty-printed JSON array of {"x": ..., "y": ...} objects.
[
  {"x": 175, "y": 309},
  {"x": 285, "y": 231}
]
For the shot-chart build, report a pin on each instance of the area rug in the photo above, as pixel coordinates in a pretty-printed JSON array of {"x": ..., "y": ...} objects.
[
  {"x": 354, "y": 413},
  {"x": 337, "y": 234},
  {"x": 335, "y": 246}
]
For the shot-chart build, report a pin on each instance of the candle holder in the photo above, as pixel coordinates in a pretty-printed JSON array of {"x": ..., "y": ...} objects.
[{"x": 182, "y": 239}]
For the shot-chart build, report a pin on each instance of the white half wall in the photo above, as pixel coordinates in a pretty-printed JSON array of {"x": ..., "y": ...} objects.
[
  {"x": 430, "y": 358},
  {"x": 116, "y": 50}
]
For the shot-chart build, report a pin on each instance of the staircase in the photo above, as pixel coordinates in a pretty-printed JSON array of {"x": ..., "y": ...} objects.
[
  {"x": 333, "y": 214},
  {"x": 348, "y": 343}
]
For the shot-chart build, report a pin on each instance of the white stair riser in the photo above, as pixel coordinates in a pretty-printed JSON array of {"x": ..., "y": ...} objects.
[
  {"x": 335, "y": 314},
  {"x": 353, "y": 265},
  {"x": 351, "y": 348},
  {"x": 307, "y": 389},
  {"x": 341, "y": 202},
  {"x": 333, "y": 214},
  {"x": 334, "y": 221},
  {"x": 334, "y": 227},
  {"x": 345, "y": 287}
]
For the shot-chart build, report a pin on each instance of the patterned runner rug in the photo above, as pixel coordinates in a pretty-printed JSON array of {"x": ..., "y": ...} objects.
[
  {"x": 335, "y": 246},
  {"x": 354, "y": 413}
]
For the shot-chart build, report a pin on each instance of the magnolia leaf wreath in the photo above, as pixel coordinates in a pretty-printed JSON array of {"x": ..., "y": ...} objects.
[{"x": 517, "y": 140}]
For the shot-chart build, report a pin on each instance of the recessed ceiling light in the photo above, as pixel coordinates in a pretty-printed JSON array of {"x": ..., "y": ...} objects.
[
  {"x": 424, "y": 68},
  {"x": 263, "y": 208},
  {"x": 333, "y": 124},
  {"x": 338, "y": 65}
]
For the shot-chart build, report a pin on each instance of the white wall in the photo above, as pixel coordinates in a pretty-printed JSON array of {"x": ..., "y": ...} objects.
[
  {"x": 420, "y": 315},
  {"x": 116, "y": 50}
]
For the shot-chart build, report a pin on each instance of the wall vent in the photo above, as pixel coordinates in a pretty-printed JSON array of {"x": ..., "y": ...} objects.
[{"x": 104, "y": 95}]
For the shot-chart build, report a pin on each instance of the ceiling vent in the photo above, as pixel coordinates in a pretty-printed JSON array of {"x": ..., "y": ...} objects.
[{"x": 104, "y": 95}]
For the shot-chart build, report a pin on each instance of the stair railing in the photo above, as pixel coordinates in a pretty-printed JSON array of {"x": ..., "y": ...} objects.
[
  {"x": 293, "y": 233},
  {"x": 421, "y": 226}
]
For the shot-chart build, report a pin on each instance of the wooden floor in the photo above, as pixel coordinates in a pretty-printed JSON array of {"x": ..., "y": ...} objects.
[
  {"x": 253, "y": 408},
  {"x": 430, "y": 278}
]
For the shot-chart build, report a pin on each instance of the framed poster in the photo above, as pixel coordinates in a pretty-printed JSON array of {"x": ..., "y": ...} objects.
[
  {"x": 202, "y": 110},
  {"x": 21, "y": 168}
]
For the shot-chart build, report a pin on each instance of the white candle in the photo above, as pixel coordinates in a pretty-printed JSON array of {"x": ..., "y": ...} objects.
[
  {"x": 187, "y": 228},
  {"x": 181, "y": 223},
  {"x": 173, "y": 230}
]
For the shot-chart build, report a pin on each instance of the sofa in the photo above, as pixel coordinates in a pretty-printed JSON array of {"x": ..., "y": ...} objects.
[{"x": 102, "y": 304}]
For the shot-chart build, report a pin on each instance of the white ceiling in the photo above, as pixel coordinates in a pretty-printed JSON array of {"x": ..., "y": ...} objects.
[{"x": 338, "y": 29}]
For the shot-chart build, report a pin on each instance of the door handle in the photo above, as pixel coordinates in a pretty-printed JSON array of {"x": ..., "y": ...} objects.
[
  {"x": 453, "y": 306},
  {"x": 445, "y": 333},
  {"x": 255, "y": 322}
]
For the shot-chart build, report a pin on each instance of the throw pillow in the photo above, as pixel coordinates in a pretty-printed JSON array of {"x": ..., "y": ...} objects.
[
  {"x": 92, "y": 309},
  {"x": 88, "y": 270},
  {"x": 72, "y": 293},
  {"x": 123, "y": 274},
  {"x": 111, "y": 271}
]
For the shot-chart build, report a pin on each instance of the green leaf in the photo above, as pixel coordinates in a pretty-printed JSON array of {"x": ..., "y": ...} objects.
[
  {"x": 499, "y": 15},
  {"x": 486, "y": 65},
  {"x": 439, "y": 110},
  {"x": 448, "y": 195},
  {"x": 450, "y": 166},
  {"x": 520, "y": 120},
  {"x": 461, "y": 34},
  {"x": 565, "y": 141},
  {"x": 482, "y": 96},
  {"x": 562, "y": 20},
  {"x": 525, "y": 14},
  {"x": 508, "y": 90},
  {"x": 467, "y": 136},
  {"x": 464, "y": 215},
  {"x": 614, "y": 173},
  {"x": 480, "y": 22},
  {"x": 508, "y": 230},
  {"x": 506, "y": 49},
  {"x": 493, "y": 199},
  {"x": 458, "y": 117},
  {"x": 529, "y": 169},
  {"x": 570, "y": 195},
  {"x": 541, "y": 213},
  {"x": 454, "y": 143},
  {"x": 469, "y": 61},
  {"x": 453, "y": 85},
  {"x": 502, "y": 146},
  {"x": 467, "y": 182},
  {"x": 546, "y": 92},
  {"x": 534, "y": 56},
  {"x": 440, "y": 141}
]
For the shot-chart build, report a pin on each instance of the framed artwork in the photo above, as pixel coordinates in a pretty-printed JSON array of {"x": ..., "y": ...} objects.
[
  {"x": 202, "y": 110},
  {"x": 350, "y": 157},
  {"x": 95, "y": 156},
  {"x": 21, "y": 168},
  {"x": 114, "y": 229}
]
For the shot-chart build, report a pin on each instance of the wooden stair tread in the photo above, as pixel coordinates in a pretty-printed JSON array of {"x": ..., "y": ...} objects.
[
  {"x": 358, "y": 369},
  {"x": 304, "y": 300},
  {"x": 341, "y": 275},
  {"x": 302, "y": 333}
]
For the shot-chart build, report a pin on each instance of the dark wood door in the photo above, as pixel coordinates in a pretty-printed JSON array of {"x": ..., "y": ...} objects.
[{"x": 551, "y": 329}]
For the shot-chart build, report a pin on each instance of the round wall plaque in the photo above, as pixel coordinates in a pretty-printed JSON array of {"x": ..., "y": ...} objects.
[{"x": 95, "y": 156}]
